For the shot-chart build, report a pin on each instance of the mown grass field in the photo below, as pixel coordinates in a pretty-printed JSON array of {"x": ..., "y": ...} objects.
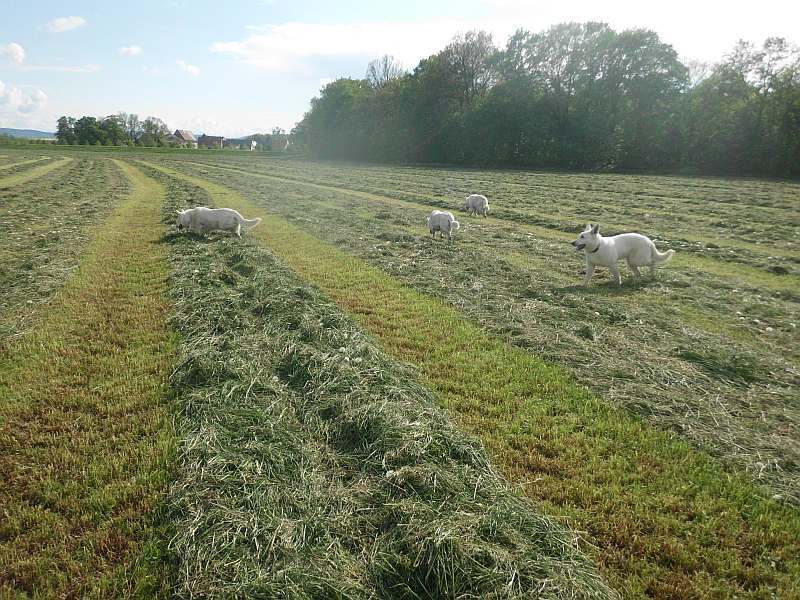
[{"x": 356, "y": 410}]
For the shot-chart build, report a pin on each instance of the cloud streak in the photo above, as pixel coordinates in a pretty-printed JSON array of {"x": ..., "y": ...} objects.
[
  {"x": 290, "y": 46},
  {"x": 62, "y": 24},
  {"x": 63, "y": 68},
  {"x": 133, "y": 50}
]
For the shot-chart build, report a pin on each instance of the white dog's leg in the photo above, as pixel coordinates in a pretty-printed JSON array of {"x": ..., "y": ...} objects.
[
  {"x": 589, "y": 273},
  {"x": 652, "y": 270},
  {"x": 238, "y": 230},
  {"x": 635, "y": 270},
  {"x": 615, "y": 274}
]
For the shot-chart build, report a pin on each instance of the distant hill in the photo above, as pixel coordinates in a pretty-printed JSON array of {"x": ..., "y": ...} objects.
[{"x": 30, "y": 134}]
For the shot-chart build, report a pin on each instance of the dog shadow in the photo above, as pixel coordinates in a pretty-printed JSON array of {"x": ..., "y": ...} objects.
[
  {"x": 609, "y": 288},
  {"x": 174, "y": 236}
]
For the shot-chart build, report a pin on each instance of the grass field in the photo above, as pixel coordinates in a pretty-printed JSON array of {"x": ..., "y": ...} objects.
[{"x": 360, "y": 411}]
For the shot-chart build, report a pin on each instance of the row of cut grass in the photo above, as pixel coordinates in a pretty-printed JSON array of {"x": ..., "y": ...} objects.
[
  {"x": 747, "y": 274},
  {"x": 705, "y": 357},
  {"x": 44, "y": 227},
  {"x": 33, "y": 173},
  {"x": 312, "y": 466},
  {"x": 746, "y": 234},
  {"x": 662, "y": 519},
  {"x": 30, "y": 161},
  {"x": 86, "y": 441}
]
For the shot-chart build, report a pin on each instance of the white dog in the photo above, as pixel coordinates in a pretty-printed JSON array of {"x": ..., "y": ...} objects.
[
  {"x": 636, "y": 249},
  {"x": 202, "y": 219},
  {"x": 443, "y": 222},
  {"x": 476, "y": 204}
]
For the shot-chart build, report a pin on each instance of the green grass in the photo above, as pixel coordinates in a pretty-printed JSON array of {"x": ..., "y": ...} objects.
[
  {"x": 625, "y": 344},
  {"x": 740, "y": 221},
  {"x": 313, "y": 466},
  {"x": 45, "y": 226},
  {"x": 21, "y": 163},
  {"x": 662, "y": 519},
  {"x": 86, "y": 437},
  {"x": 30, "y": 174},
  {"x": 717, "y": 262}
]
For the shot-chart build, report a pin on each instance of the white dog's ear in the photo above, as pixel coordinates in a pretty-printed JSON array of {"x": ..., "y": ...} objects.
[{"x": 596, "y": 229}]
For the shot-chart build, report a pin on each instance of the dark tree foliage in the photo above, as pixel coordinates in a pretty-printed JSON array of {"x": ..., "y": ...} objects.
[{"x": 578, "y": 96}]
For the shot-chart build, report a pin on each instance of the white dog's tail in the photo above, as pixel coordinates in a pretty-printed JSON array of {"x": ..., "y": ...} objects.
[
  {"x": 660, "y": 257},
  {"x": 250, "y": 223}
]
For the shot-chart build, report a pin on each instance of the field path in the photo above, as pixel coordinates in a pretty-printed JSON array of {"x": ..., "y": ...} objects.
[
  {"x": 84, "y": 435},
  {"x": 745, "y": 273},
  {"x": 662, "y": 519},
  {"x": 31, "y": 174}
]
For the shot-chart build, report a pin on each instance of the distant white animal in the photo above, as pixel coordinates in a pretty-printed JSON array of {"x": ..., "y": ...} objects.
[
  {"x": 637, "y": 249},
  {"x": 476, "y": 204},
  {"x": 443, "y": 222},
  {"x": 203, "y": 219}
]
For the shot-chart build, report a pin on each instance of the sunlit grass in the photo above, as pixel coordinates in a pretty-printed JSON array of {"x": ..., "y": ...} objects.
[
  {"x": 661, "y": 518},
  {"x": 32, "y": 173},
  {"x": 87, "y": 439},
  {"x": 313, "y": 466}
]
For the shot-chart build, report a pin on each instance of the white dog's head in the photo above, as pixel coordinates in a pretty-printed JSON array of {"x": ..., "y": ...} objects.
[
  {"x": 183, "y": 219},
  {"x": 588, "y": 238}
]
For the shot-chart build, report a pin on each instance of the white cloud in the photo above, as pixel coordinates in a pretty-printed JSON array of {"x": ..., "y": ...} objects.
[
  {"x": 293, "y": 46},
  {"x": 287, "y": 47},
  {"x": 14, "y": 52},
  {"x": 133, "y": 50},
  {"x": 33, "y": 102},
  {"x": 191, "y": 69},
  {"x": 62, "y": 24},
  {"x": 14, "y": 100}
]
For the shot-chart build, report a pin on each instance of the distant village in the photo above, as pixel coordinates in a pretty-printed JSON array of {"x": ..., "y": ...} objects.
[
  {"x": 187, "y": 139},
  {"x": 124, "y": 129}
]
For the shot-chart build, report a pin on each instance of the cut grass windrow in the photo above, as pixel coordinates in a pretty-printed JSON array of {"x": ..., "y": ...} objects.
[
  {"x": 641, "y": 346},
  {"x": 31, "y": 174},
  {"x": 313, "y": 466},
  {"x": 22, "y": 163},
  {"x": 85, "y": 440},
  {"x": 747, "y": 274},
  {"x": 45, "y": 226},
  {"x": 662, "y": 519}
]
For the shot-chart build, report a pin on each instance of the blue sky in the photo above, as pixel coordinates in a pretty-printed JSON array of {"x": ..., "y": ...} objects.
[{"x": 239, "y": 67}]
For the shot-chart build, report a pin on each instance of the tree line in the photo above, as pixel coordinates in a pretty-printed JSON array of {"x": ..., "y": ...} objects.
[
  {"x": 576, "y": 96},
  {"x": 122, "y": 129}
]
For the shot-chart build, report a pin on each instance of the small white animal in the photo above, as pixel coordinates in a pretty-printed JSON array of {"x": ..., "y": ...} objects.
[
  {"x": 476, "y": 204},
  {"x": 443, "y": 222},
  {"x": 637, "y": 249},
  {"x": 202, "y": 219}
]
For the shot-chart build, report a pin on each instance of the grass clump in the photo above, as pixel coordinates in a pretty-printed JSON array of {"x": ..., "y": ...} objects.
[{"x": 312, "y": 465}]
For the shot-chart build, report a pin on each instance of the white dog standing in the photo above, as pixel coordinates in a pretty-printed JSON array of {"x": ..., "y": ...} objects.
[
  {"x": 443, "y": 222},
  {"x": 476, "y": 204},
  {"x": 637, "y": 249},
  {"x": 202, "y": 219}
]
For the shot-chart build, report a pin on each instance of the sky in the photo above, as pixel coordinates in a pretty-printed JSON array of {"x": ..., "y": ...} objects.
[{"x": 240, "y": 67}]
